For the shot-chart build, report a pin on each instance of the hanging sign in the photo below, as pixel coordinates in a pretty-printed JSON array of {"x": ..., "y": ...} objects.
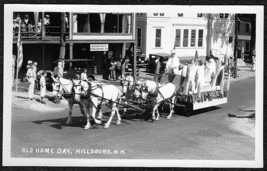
[{"x": 98, "y": 47}]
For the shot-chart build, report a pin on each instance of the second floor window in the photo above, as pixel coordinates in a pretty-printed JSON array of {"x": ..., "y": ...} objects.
[
  {"x": 200, "y": 38},
  {"x": 185, "y": 41},
  {"x": 193, "y": 38},
  {"x": 177, "y": 42},
  {"x": 102, "y": 23},
  {"x": 158, "y": 38}
]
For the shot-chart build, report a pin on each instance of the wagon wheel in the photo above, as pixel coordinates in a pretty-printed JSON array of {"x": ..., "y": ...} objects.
[{"x": 188, "y": 109}]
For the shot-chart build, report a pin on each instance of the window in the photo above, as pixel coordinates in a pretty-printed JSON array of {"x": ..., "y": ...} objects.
[
  {"x": 221, "y": 15},
  {"x": 238, "y": 25},
  {"x": 177, "y": 38},
  {"x": 139, "y": 37},
  {"x": 158, "y": 38},
  {"x": 200, "y": 38},
  {"x": 102, "y": 23},
  {"x": 193, "y": 38},
  {"x": 185, "y": 41}
]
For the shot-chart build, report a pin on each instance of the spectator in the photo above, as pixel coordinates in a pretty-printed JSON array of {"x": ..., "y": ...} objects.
[
  {"x": 26, "y": 20},
  {"x": 29, "y": 63},
  {"x": 112, "y": 71},
  {"x": 118, "y": 68},
  {"x": 84, "y": 75},
  {"x": 158, "y": 70},
  {"x": 30, "y": 78},
  {"x": 47, "y": 20},
  {"x": 58, "y": 70},
  {"x": 42, "y": 86},
  {"x": 37, "y": 87},
  {"x": 47, "y": 23}
]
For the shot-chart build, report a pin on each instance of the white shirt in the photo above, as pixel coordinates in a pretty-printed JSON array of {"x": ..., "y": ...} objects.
[
  {"x": 211, "y": 65},
  {"x": 175, "y": 64},
  {"x": 42, "y": 81},
  {"x": 83, "y": 76}
]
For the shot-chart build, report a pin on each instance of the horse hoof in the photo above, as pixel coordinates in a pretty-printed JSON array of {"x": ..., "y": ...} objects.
[
  {"x": 98, "y": 121},
  {"x": 68, "y": 123},
  {"x": 106, "y": 126},
  {"x": 86, "y": 127},
  {"x": 118, "y": 123},
  {"x": 169, "y": 117},
  {"x": 157, "y": 119}
]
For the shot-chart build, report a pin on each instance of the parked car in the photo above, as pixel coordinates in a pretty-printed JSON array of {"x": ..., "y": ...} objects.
[{"x": 152, "y": 61}]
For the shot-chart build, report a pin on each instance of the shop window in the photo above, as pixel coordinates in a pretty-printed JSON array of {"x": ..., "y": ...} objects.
[
  {"x": 158, "y": 38},
  {"x": 177, "y": 38},
  {"x": 200, "y": 38},
  {"x": 185, "y": 40},
  {"x": 193, "y": 38},
  {"x": 139, "y": 37}
]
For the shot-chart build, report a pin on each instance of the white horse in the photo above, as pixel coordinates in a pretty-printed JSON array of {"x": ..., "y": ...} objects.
[
  {"x": 93, "y": 94},
  {"x": 64, "y": 87},
  {"x": 157, "y": 93},
  {"x": 128, "y": 88}
]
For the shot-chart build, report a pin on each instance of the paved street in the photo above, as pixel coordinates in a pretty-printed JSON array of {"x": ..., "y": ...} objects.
[{"x": 208, "y": 134}]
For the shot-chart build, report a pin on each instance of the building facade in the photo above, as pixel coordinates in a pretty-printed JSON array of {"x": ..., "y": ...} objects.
[
  {"x": 187, "y": 33},
  {"x": 96, "y": 36}
]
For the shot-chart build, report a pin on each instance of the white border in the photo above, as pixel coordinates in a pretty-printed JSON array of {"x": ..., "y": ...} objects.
[{"x": 8, "y": 14}]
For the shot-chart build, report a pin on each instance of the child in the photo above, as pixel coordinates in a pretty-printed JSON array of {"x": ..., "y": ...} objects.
[
  {"x": 84, "y": 75},
  {"x": 42, "y": 86}
]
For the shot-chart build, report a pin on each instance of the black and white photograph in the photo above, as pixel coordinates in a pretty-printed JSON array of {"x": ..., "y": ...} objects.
[{"x": 133, "y": 85}]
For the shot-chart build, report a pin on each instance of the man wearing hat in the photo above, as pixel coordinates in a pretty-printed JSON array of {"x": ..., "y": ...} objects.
[{"x": 173, "y": 63}]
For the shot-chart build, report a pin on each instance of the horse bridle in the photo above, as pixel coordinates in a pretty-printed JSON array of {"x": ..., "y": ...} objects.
[{"x": 58, "y": 88}]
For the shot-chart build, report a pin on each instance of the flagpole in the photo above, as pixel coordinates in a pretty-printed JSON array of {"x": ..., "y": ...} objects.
[{"x": 17, "y": 70}]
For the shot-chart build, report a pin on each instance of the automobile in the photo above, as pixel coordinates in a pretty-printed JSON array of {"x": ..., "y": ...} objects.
[
  {"x": 73, "y": 67},
  {"x": 152, "y": 61},
  {"x": 141, "y": 58}
]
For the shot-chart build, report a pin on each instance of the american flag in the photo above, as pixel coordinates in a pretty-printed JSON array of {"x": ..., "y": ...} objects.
[{"x": 20, "y": 51}]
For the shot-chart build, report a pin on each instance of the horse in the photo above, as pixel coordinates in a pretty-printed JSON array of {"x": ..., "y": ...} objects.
[
  {"x": 128, "y": 88},
  {"x": 64, "y": 87},
  {"x": 92, "y": 95},
  {"x": 143, "y": 89},
  {"x": 158, "y": 94}
]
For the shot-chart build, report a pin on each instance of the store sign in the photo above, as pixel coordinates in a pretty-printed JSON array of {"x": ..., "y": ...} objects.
[{"x": 98, "y": 47}]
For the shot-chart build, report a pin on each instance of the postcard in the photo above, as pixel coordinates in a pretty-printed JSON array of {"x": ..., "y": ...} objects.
[{"x": 133, "y": 86}]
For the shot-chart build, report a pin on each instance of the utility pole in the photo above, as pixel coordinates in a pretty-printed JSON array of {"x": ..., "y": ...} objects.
[{"x": 235, "y": 48}]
